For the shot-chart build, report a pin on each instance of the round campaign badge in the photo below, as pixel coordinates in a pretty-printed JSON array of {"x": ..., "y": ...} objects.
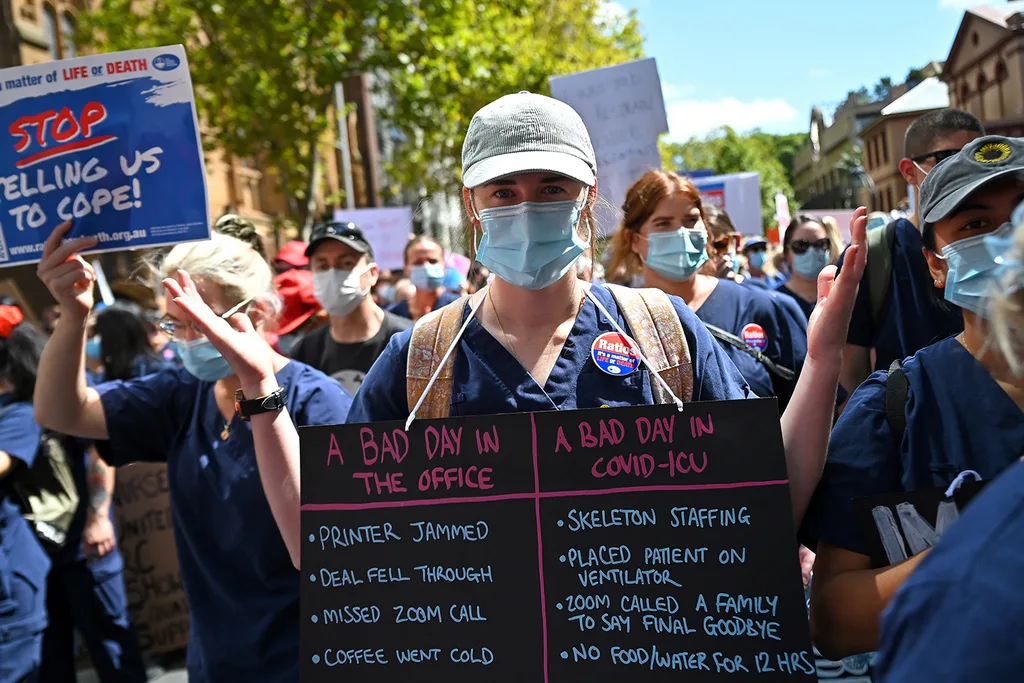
[
  {"x": 754, "y": 334},
  {"x": 614, "y": 354}
]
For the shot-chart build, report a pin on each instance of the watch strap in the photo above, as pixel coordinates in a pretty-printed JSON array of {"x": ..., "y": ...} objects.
[{"x": 272, "y": 402}]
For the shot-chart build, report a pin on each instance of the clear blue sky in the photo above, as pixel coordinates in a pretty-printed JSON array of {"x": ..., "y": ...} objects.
[{"x": 765, "y": 64}]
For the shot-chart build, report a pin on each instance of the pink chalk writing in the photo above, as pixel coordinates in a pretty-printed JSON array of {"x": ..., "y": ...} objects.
[
  {"x": 698, "y": 428},
  {"x": 660, "y": 430},
  {"x": 334, "y": 449},
  {"x": 391, "y": 483},
  {"x": 609, "y": 432},
  {"x": 446, "y": 441},
  {"x": 452, "y": 478},
  {"x": 395, "y": 446},
  {"x": 487, "y": 442}
]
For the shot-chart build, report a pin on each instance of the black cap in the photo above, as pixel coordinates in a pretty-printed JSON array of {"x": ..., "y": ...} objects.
[
  {"x": 348, "y": 234},
  {"x": 953, "y": 180}
]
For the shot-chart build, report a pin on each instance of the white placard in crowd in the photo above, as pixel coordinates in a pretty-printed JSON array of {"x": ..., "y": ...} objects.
[
  {"x": 739, "y": 195},
  {"x": 388, "y": 230},
  {"x": 624, "y": 111}
]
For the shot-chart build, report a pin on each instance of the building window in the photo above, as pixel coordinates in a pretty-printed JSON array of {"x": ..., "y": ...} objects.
[
  {"x": 50, "y": 29},
  {"x": 67, "y": 32},
  {"x": 982, "y": 81},
  {"x": 885, "y": 148},
  {"x": 965, "y": 92},
  {"x": 1001, "y": 74}
]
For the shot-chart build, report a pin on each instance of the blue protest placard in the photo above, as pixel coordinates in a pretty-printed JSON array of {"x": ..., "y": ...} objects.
[{"x": 110, "y": 142}]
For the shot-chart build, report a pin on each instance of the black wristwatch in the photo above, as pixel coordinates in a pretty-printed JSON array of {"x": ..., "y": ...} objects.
[{"x": 246, "y": 408}]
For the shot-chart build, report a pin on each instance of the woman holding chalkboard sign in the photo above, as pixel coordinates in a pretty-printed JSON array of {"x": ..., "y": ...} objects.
[
  {"x": 953, "y": 406},
  {"x": 221, "y": 426},
  {"x": 539, "y": 338}
]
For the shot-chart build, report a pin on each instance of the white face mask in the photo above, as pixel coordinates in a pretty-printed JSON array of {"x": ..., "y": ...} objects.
[{"x": 339, "y": 291}]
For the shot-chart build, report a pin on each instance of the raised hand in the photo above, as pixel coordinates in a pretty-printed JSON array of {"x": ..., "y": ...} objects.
[
  {"x": 66, "y": 274},
  {"x": 243, "y": 348},
  {"x": 830, "y": 320}
]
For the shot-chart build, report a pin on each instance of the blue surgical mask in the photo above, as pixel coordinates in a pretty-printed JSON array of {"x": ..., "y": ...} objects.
[
  {"x": 972, "y": 269},
  {"x": 92, "y": 348},
  {"x": 757, "y": 259},
  {"x": 808, "y": 264},
  {"x": 531, "y": 245},
  {"x": 677, "y": 255},
  {"x": 203, "y": 360},
  {"x": 427, "y": 276}
]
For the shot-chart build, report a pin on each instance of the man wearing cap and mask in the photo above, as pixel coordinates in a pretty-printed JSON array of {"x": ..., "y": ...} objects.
[
  {"x": 894, "y": 315},
  {"x": 344, "y": 272},
  {"x": 952, "y": 406}
]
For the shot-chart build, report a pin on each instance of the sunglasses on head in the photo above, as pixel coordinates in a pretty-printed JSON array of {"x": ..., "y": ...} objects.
[
  {"x": 939, "y": 155},
  {"x": 801, "y": 246}
]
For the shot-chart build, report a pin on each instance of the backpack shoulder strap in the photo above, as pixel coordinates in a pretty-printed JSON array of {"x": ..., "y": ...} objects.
[
  {"x": 880, "y": 246},
  {"x": 731, "y": 339},
  {"x": 432, "y": 335},
  {"x": 656, "y": 329},
  {"x": 897, "y": 390}
]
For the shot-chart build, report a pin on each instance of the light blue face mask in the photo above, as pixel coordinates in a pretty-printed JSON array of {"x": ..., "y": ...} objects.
[
  {"x": 757, "y": 259},
  {"x": 427, "y": 276},
  {"x": 203, "y": 360},
  {"x": 677, "y": 255},
  {"x": 92, "y": 348},
  {"x": 533, "y": 244},
  {"x": 972, "y": 269},
  {"x": 808, "y": 264}
]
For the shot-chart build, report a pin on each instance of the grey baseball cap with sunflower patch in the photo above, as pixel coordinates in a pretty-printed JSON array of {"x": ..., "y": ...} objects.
[{"x": 980, "y": 163}]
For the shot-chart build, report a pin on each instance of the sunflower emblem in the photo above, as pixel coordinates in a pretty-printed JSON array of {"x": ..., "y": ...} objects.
[{"x": 992, "y": 153}]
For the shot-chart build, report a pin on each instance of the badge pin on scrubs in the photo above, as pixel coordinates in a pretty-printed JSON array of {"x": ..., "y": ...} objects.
[
  {"x": 754, "y": 334},
  {"x": 615, "y": 354}
]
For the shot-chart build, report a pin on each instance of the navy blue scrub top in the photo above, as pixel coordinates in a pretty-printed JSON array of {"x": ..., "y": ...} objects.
[
  {"x": 959, "y": 618},
  {"x": 402, "y": 307},
  {"x": 766, "y": 282},
  {"x": 739, "y": 310},
  {"x": 78, "y": 457},
  {"x": 912, "y": 315},
  {"x": 806, "y": 307},
  {"x": 242, "y": 590},
  {"x": 488, "y": 380},
  {"x": 958, "y": 418},
  {"x": 22, "y": 601}
]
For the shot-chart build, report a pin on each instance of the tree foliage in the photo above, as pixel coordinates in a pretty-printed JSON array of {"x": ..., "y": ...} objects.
[
  {"x": 726, "y": 151},
  {"x": 480, "y": 52},
  {"x": 264, "y": 70}
]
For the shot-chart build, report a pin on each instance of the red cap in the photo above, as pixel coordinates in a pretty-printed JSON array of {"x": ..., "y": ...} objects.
[
  {"x": 10, "y": 317},
  {"x": 298, "y": 298},
  {"x": 294, "y": 254}
]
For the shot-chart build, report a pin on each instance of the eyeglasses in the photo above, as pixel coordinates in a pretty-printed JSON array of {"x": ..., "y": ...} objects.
[
  {"x": 801, "y": 246},
  {"x": 939, "y": 155},
  {"x": 175, "y": 329}
]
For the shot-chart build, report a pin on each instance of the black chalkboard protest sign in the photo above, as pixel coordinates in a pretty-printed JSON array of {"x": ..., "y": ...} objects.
[
  {"x": 898, "y": 525},
  {"x": 618, "y": 544}
]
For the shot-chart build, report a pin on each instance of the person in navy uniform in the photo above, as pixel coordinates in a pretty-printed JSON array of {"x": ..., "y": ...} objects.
[
  {"x": 809, "y": 245},
  {"x": 23, "y": 562},
  {"x": 664, "y": 238},
  {"x": 908, "y": 320},
  {"x": 234, "y": 498},
  {"x": 424, "y": 265},
  {"x": 960, "y": 615},
  {"x": 960, "y": 408},
  {"x": 526, "y": 341},
  {"x": 85, "y": 587}
]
